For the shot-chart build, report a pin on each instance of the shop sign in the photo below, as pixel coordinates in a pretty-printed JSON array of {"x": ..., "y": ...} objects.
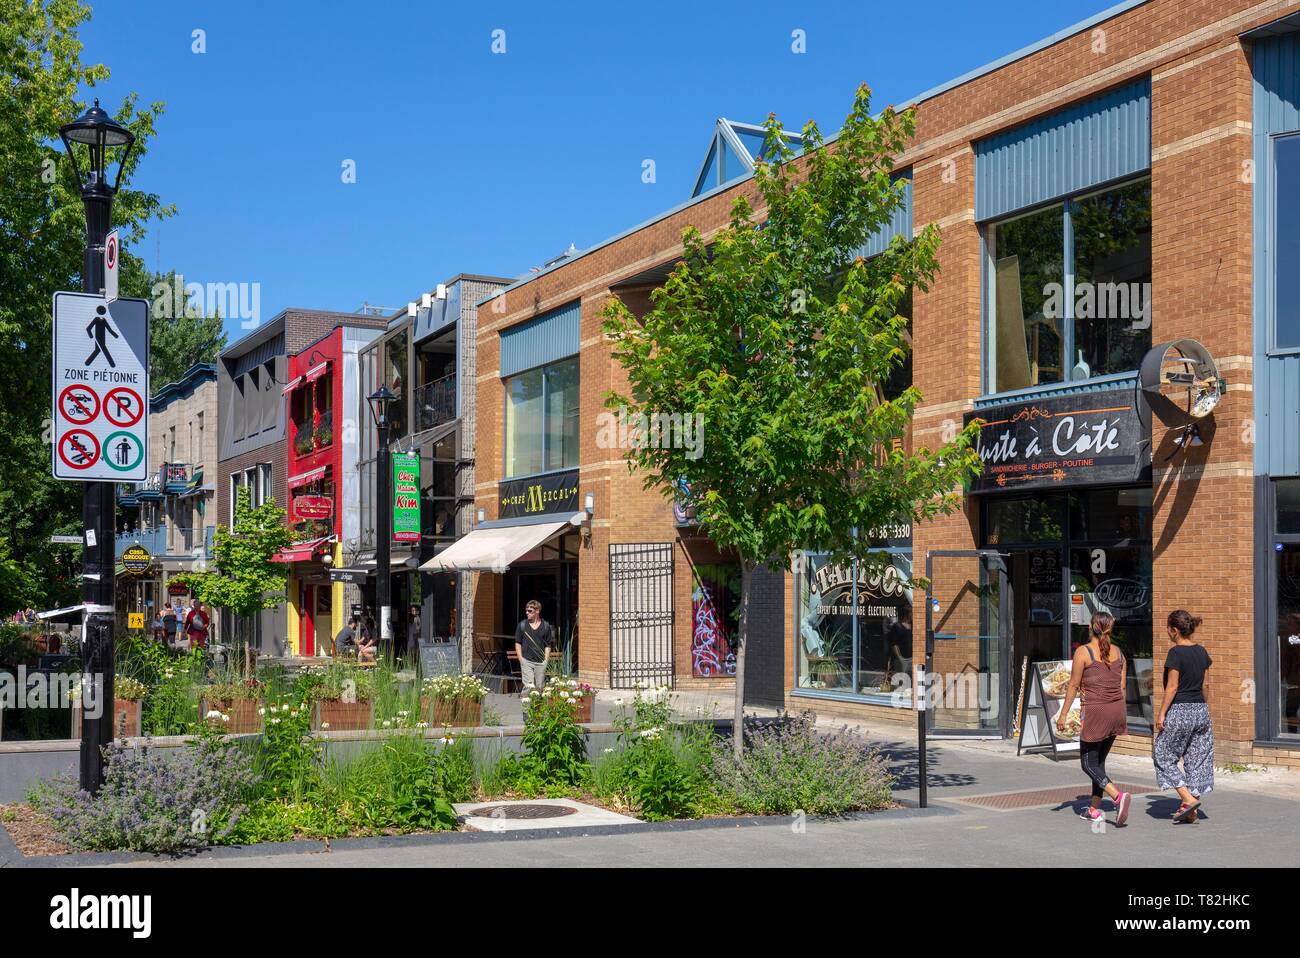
[
  {"x": 137, "y": 560},
  {"x": 313, "y": 507},
  {"x": 349, "y": 576},
  {"x": 880, "y": 592},
  {"x": 1063, "y": 441},
  {"x": 406, "y": 497},
  {"x": 177, "y": 588},
  {"x": 556, "y": 492}
]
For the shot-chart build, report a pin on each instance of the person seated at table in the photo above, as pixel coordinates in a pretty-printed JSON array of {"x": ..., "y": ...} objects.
[{"x": 354, "y": 640}]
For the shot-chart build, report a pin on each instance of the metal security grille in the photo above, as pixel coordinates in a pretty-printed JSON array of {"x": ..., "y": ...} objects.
[{"x": 640, "y": 614}]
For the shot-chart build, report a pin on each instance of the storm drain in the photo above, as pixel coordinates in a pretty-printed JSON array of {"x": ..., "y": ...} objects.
[
  {"x": 1008, "y": 801},
  {"x": 521, "y": 811}
]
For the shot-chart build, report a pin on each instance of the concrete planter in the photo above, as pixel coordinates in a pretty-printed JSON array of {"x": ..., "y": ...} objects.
[
  {"x": 126, "y": 719},
  {"x": 343, "y": 716}
]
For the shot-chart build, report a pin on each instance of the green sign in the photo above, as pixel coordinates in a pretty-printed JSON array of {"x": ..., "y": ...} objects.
[{"x": 406, "y": 497}]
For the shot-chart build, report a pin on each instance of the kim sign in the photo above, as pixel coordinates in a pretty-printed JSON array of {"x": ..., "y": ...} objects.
[{"x": 101, "y": 388}]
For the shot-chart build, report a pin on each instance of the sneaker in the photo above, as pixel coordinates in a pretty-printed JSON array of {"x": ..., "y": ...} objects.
[
  {"x": 1122, "y": 803},
  {"x": 1091, "y": 814}
]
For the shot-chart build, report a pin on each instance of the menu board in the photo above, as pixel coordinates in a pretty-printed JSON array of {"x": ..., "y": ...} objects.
[{"x": 1047, "y": 687}]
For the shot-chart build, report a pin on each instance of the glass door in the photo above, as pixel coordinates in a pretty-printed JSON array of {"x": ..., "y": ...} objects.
[{"x": 968, "y": 637}]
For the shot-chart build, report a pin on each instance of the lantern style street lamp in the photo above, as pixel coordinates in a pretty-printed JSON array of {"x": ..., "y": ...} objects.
[
  {"x": 99, "y": 138},
  {"x": 380, "y": 401}
]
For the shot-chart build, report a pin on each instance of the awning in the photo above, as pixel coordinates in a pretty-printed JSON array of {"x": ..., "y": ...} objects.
[
  {"x": 492, "y": 550},
  {"x": 317, "y": 371},
  {"x": 305, "y": 477},
  {"x": 69, "y": 611},
  {"x": 298, "y": 552},
  {"x": 293, "y": 384}
]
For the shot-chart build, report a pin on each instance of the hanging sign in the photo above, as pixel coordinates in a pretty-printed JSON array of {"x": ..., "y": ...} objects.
[
  {"x": 137, "y": 560},
  {"x": 100, "y": 388},
  {"x": 313, "y": 507},
  {"x": 556, "y": 492},
  {"x": 1048, "y": 682},
  {"x": 406, "y": 497},
  {"x": 1062, "y": 441}
]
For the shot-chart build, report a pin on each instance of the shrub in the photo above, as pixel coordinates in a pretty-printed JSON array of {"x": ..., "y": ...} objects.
[
  {"x": 555, "y": 749},
  {"x": 287, "y": 757},
  {"x": 151, "y": 801},
  {"x": 790, "y": 766},
  {"x": 397, "y": 786}
]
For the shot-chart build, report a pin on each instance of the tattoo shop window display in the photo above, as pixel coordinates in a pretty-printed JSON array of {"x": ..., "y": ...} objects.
[{"x": 854, "y": 625}]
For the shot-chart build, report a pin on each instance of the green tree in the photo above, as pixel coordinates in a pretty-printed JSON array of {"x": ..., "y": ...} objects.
[
  {"x": 245, "y": 581},
  {"x": 179, "y": 338},
  {"x": 42, "y": 239},
  {"x": 782, "y": 336}
]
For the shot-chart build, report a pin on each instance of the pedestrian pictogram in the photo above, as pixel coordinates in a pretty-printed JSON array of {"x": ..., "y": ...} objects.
[
  {"x": 123, "y": 450},
  {"x": 97, "y": 329},
  {"x": 123, "y": 406},
  {"x": 79, "y": 405},
  {"x": 100, "y": 388},
  {"x": 78, "y": 449}
]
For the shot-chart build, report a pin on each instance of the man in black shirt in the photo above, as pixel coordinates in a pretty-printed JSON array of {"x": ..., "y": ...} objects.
[{"x": 533, "y": 641}]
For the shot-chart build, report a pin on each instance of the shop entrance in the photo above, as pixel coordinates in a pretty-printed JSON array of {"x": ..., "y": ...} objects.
[
  {"x": 1070, "y": 555},
  {"x": 554, "y": 584}
]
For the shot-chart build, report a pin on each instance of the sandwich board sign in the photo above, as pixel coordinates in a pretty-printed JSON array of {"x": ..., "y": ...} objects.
[
  {"x": 1048, "y": 683},
  {"x": 112, "y": 251},
  {"x": 101, "y": 388}
]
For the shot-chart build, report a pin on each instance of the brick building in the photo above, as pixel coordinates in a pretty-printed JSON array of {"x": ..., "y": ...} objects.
[{"x": 1129, "y": 183}]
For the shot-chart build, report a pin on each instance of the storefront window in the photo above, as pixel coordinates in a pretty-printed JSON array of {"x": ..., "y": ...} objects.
[
  {"x": 395, "y": 379},
  {"x": 854, "y": 629},
  {"x": 1288, "y": 636},
  {"x": 1286, "y": 219},
  {"x": 1071, "y": 290},
  {"x": 542, "y": 407}
]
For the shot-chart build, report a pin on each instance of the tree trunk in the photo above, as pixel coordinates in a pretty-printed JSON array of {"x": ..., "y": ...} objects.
[{"x": 738, "y": 721}]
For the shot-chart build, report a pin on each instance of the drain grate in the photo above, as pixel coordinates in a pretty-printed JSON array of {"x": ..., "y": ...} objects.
[
  {"x": 522, "y": 811},
  {"x": 1008, "y": 801}
]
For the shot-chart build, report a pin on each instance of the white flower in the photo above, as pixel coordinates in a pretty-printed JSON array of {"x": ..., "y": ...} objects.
[
  {"x": 323, "y": 725},
  {"x": 421, "y": 724},
  {"x": 261, "y": 711},
  {"x": 212, "y": 714},
  {"x": 608, "y": 750},
  {"x": 225, "y": 717},
  {"x": 387, "y": 724},
  {"x": 403, "y": 714},
  {"x": 275, "y": 721},
  {"x": 573, "y": 684},
  {"x": 618, "y": 702}
]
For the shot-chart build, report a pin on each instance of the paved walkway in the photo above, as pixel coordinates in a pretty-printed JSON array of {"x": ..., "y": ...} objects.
[{"x": 1249, "y": 822}]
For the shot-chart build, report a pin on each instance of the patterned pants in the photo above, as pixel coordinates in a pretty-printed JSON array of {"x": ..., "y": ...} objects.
[{"x": 1187, "y": 736}]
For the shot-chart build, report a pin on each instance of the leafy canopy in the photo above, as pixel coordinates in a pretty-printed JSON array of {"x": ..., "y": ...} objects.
[
  {"x": 781, "y": 335},
  {"x": 246, "y": 581}
]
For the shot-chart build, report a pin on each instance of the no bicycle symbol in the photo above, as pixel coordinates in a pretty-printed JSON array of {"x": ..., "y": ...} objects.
[
  {"x": 123, "y": 450},
  {"x": 78, "y": 404},
  {"x": 78, "y": 449},
  {"x": 123, "y": 407}
]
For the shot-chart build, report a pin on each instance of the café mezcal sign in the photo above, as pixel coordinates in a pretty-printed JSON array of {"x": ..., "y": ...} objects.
[{"x": 1063, "y": 441}]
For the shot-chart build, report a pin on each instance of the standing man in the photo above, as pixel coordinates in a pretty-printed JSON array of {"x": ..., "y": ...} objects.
[
  {"x": 170, "y": 623},
  {"x": 196, "y": 625},
  {"x": 533, "y": 641},
  {"x": 413, "y": 631}
]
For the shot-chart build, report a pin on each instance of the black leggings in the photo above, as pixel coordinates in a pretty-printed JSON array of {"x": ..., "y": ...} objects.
[{"x": 1092, "y": 756}]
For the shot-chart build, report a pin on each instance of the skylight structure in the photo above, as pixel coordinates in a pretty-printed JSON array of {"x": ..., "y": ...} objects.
[{"x": 733, "y": 150}]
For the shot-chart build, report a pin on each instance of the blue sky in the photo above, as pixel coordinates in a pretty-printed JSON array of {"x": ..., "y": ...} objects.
[{"x": 470, "y": 161}]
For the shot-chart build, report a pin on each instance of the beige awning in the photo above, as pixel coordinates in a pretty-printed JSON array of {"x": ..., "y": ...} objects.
[{"x": 493, "y": 549}]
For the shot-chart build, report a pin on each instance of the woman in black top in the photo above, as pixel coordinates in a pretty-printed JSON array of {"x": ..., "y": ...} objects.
[{"x": 1183, "y": 732}]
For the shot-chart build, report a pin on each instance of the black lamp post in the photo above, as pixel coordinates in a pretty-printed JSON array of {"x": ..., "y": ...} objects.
[
  {"x": 100, "y": 135},
  {"x": 379, "y": 401}
]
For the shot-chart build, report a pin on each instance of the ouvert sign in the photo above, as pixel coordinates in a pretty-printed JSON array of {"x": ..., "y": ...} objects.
[{"x": 1062, "y": 441}]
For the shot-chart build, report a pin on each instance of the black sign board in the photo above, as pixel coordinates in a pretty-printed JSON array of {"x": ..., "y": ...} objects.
[
  {"x": 556, "y": 492},
  {"x": 439, "y": 658},
  {"x": 1063, "y": 441},
  {"x": 353, "y": 576}
]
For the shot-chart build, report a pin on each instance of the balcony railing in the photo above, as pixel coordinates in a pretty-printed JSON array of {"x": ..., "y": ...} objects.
[
  {"x": 169, "y": 540},
  {"x": 307, "y": 438},
  {"x": 435, "y": 403}
]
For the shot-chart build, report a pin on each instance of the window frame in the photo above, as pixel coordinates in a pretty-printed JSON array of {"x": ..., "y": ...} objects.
[
  {"x": 988, "y": 298},
  {"x": 1270, "y": 292},
  {"x": 545, "y": 395}
]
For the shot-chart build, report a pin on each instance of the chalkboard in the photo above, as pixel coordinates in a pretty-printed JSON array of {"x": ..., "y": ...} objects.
[{"x": 439, "y": 658}]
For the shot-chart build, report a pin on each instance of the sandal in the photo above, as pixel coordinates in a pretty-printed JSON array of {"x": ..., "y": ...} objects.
[{"x": 1187, "y": 813}]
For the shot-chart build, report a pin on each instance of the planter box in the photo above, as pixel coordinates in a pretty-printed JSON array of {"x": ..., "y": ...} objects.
[
  {"x": 343, "y": 716},
  {"x": 242, "y": 712},
  {"x": 582, "y": 714},
  {"x": 126, "y": 719},
  {"x": 455, "y": 713}
]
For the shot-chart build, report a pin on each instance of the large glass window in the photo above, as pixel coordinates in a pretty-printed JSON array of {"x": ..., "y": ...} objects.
[
  {"x": 542, "y": 409},
  {"x": 1286, "y": 240},
  {"x": 854, "y": 629},
  {"x": 1071, "y": 289}
]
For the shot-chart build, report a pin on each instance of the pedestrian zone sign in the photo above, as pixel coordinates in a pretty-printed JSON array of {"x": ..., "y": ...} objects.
[{"x": 101, "y": 388}]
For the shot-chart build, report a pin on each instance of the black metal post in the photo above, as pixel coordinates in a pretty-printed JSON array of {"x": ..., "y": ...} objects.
[
  {"x": 98, "y": 561},
  {"x": 384, "y": 536}
]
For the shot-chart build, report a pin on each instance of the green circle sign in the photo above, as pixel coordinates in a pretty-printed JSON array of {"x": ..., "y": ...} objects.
[{"x": 117, "y": 449}]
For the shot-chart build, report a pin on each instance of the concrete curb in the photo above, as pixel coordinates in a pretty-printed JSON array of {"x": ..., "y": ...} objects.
[{"x": 11, "y": 857}]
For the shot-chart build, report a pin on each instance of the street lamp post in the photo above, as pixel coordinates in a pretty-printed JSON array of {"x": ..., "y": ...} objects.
[
  {"x": 379, "y": 401},
  {"x": 99, "y": 133}
]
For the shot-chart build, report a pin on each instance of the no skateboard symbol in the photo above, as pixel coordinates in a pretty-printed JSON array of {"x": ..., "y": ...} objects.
[
  {"x": 123, "y": 407},
  {"x": 123, "y": 450},
  {"x": 78, "y": 404},
  {"x": 78, "y": 449}
]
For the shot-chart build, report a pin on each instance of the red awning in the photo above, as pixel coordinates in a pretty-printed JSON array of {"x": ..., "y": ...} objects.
[
  {"x": 317, "y": 371},
  {"x": 305, "y": 477},
  {"x": 299, "y": 552},
  {"x": 291, "y": 387}
]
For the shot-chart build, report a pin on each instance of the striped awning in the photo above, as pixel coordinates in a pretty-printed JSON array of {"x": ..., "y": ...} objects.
[
  {"x": 305, "y": 477},
  {"x": 293, "y": 384},
  {"x": 317, "y": 371}
]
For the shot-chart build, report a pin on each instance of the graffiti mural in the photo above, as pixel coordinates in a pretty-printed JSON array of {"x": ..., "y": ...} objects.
[{"x": 715, "y": 605}]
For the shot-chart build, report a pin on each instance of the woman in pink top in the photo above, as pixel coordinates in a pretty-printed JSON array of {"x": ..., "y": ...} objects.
[{"x": 1098, "y": 670}]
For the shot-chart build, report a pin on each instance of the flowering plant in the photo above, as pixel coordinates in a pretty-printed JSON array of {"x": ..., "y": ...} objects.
[
  {"x": 447, "y": 688},
  {"x": 124, "y": 688},
  {"x": 241, "y": 690},
  {"x": 337, "y": 682},
  {"x": 568, "y": 688}
]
